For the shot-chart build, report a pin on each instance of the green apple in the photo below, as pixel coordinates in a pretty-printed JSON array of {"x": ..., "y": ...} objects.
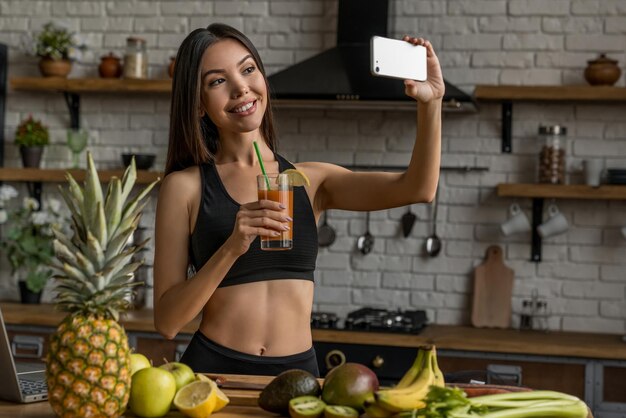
[
  {"x": 152, "y": 391},
  {"x": 138, "y": 362},
  {"x": 182, "y": 373}
]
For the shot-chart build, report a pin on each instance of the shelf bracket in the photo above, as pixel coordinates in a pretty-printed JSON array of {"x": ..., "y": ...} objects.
[
  {"x": 535, "y": 252},
  {"x": 507, "y": 126},
  {"x": 73, "y": 104}
]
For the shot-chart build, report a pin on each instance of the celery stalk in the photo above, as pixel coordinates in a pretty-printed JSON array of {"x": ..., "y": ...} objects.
[{"x": 575, "y": 409}]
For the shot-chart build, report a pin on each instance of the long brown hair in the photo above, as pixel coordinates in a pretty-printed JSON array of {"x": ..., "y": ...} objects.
[{"x": 194, "y": 140}]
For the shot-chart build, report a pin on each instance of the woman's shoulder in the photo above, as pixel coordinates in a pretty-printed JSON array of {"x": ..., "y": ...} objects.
[{"x": 182, "y": 182}]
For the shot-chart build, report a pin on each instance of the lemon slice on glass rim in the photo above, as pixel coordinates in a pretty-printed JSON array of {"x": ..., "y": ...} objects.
[
  {"x": 196, "y": 399},
  {"x": 297, "y": 177}
]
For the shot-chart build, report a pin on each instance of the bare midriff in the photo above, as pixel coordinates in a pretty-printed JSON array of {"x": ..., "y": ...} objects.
[{"x": 269, "y": 318}]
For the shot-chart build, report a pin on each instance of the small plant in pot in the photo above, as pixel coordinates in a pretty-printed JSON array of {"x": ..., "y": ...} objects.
[
  {"x": 57, "y": 47},
  {"x": 31, "y": 136},
  {"x": 28, "y": 240}
]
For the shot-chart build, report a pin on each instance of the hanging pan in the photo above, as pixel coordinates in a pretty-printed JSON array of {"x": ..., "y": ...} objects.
[{"x": 325, "y": 233}]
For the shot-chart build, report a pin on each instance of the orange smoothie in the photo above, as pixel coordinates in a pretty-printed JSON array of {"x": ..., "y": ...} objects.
[{"x": 283, "y": 241}]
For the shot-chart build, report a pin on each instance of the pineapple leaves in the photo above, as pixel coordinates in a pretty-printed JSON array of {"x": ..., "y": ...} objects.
[
  {"x": 96, "y": 265},
  {"x": 113, "y": 205}
]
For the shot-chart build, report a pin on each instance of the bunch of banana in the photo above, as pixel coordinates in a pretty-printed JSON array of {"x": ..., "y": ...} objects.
[{"x": 412, "y": 388}]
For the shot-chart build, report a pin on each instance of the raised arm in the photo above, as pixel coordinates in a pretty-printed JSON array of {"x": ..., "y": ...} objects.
[{"x": 343, "y": 189}]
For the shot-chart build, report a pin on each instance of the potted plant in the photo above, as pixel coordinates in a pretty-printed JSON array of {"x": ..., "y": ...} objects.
[
  {"x": 28, "y": 241},
  {"x": 31, "y": 135},
  {"x": 56, "y": 46}
]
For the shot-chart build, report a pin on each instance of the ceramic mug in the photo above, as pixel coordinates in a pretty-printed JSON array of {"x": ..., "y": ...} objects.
[
  {"x": 518, "y": 222},
  {"x": 593, "y": 171},
  {"x": 554, "y": 225}
]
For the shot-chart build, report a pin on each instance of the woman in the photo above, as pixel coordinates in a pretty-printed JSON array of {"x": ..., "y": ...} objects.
[{"x": 255, "y": 305}]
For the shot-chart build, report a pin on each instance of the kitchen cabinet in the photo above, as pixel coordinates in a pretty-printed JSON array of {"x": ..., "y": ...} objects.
[
  {"x": 506, "y": 95},
  {"x": 539, "y": 192},
  {"x": 157, "y": 348}
]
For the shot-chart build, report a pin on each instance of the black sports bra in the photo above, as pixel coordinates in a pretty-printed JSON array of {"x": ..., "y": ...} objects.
[{"x": 215, "y": 223}]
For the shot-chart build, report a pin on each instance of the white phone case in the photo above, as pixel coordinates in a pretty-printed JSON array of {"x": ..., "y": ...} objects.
[{"x": 397, "y": 59}]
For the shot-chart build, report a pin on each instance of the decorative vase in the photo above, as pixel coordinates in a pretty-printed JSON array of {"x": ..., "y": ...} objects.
[
  {"x": 110, "y": 66},
  {"x": 28, "y": 296},
  {"x": 55, "y": 68},
  {"x": 31, "y": 156},
  {"x": 602, "y": 71}
]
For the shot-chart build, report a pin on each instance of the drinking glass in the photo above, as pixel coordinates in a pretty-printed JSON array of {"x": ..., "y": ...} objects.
[
  {"x": 278, "y": 188},
  {"x": 76, "y": 142}
]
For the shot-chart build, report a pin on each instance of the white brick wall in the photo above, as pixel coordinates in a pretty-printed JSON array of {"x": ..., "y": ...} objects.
[{"x": 583, "y": 275}]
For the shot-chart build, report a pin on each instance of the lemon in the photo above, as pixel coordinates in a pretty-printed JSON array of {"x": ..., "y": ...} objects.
[
  {"x": 297, "y": 177},
  {"x": 196, "y": 399},
  {"x": 222, "y": 400}
]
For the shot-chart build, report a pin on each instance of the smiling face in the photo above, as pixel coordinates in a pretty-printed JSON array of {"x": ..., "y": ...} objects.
[{"x": 233, "y": 88}]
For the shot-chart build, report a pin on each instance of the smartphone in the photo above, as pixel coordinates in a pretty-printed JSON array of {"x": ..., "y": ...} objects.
[{"x": 397, "y": 59}]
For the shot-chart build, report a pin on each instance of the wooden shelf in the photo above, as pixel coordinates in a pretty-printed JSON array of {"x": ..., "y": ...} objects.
[
  {"x": 550, "y": 93},
  {"x": 508, "y": 94},
  {"x": 58, "y": 175},
  {"x": 91, "y": 85},
  {"x": 562, "y": 191}
]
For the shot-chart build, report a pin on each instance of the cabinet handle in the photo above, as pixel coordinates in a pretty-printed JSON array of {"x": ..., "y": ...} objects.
[
  {"x": 31, "y": 343},
  {"x": 378, "y": 362},
  {"x": 335, "y": 358}
]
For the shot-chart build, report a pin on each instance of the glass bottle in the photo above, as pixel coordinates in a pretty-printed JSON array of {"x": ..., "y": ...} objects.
[
  {"x": 552, "y": 155},
  {"x": 135, "y": 58}
]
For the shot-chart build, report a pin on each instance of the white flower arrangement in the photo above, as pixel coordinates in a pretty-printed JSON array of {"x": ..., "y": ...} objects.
[{"x": 28, "y": 236}]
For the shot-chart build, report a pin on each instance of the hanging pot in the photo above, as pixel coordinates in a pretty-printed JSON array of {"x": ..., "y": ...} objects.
[
  {"x": 55, "y": 68},
  {"x": 27, "y": 296},
  {"x": 325, "y": 233},
  {"x": 407, "y": 221},
  {"x": 365, "y": 242},
  {"x": 31, "y": 156}
]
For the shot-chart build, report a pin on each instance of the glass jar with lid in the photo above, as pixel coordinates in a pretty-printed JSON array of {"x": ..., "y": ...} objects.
[
  {"x": 552, "y": 156},
  {"x": 135, "y": 58}
]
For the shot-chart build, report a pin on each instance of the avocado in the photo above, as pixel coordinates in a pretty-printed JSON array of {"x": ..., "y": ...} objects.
[
  {"x": 306, "y": 407},
  {"x": 286, "y": 386}
]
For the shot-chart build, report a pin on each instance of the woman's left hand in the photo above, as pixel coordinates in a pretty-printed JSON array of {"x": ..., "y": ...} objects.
[{"x": 433, "y": 88}]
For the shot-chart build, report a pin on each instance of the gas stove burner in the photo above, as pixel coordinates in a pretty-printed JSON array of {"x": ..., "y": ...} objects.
[
  {"x": 324, "y": 320},
  {"x": 372, "y": 319}
]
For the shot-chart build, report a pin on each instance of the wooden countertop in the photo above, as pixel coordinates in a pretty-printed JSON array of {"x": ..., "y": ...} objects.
[
  {"x": 43, "y": 410},
  {"x": 466, "y": 338}
]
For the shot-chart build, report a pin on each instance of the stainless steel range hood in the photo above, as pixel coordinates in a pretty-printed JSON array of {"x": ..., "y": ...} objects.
[{"x": 340, "y": 77}]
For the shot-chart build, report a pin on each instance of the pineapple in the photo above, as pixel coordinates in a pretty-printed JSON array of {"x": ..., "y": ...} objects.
[{"x": 88, "y": 363}]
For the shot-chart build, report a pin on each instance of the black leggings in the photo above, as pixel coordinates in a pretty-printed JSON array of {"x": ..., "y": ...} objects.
[{"x": 206, "y": 356}]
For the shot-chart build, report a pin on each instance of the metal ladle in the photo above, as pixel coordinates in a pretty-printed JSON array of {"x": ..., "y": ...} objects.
[{"x": 433, "y": 242}]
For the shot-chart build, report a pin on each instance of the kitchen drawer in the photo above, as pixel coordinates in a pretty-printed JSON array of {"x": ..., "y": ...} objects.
[
  {"x": 389, "y": 363},
  {"x": 537, "y": 373},
  {"x": 29, "y": 342},
  {"x": 156, "y": 348}
]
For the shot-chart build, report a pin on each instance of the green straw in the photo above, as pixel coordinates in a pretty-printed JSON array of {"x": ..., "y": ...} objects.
[{"x": 258, "y": 155}]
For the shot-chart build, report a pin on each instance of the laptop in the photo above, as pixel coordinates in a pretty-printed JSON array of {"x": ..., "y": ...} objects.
[{"x": 21, "y": 382}]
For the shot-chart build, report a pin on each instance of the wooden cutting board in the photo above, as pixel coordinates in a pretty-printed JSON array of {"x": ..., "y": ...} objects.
[{"x": 493, "y": 286}]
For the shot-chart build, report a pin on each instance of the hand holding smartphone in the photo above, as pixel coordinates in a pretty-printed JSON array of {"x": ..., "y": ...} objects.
[{"x": 397, "y": 59}]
